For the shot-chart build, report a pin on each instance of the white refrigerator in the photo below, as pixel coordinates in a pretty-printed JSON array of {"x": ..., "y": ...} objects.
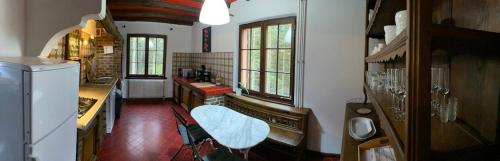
[{"x": 38, "y": 109}]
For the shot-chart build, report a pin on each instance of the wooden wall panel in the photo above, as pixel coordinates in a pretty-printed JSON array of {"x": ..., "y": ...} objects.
[
  {"x": 475, "y": 81},
  {"x": 473, "y": 14}
]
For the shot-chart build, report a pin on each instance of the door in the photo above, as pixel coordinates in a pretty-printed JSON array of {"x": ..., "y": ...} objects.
[
  {"x": 11, "y": 114},
  {"x": 176, "y": 92},
  {"x": 196, "y": 100},
  {"x": 186, "y": 92}
]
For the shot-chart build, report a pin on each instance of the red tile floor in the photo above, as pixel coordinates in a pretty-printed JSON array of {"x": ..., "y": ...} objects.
[{"x": 146, "y": 131}]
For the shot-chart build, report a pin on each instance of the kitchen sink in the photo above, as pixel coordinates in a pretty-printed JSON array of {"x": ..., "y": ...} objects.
[{"x": 84, "y": 105}]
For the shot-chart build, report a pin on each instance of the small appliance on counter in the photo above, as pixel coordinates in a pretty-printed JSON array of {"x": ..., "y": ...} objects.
[
  {"x": 203, "y": 75},
  {"x": 185, "y": 72}
]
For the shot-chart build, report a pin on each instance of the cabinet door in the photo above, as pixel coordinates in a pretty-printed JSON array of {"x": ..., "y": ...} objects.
[
  {"x": 186, "y": 93},
  {"x": 196, "y": 100},
  {"x": 177, "y": 96}
]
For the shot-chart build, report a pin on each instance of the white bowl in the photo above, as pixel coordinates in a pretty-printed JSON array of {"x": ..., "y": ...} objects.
[
  {"x": 401, "y": 19},
  {"x": 361, "y": 128},
  {"x": 390, "y": 33}
]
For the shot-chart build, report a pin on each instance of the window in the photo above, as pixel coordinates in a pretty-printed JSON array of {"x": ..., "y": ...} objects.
[
  {"x": 267, "y": 59},
  {"x": 146, "y": 56}
]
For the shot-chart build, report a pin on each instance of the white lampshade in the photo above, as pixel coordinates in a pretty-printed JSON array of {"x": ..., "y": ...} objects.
[{"x": 214, "y": 12}]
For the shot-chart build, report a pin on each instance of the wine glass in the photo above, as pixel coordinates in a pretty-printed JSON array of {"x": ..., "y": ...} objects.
[
  {"x": 402, "y": 93},
  {"x": 434, "y": 90},
  {"x": 395, "y": 89},
  {"x": 445, "y": 91}
]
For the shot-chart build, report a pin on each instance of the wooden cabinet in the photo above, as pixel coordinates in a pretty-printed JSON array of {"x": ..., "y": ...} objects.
[
  {"x": 434, "y": 38},
  {"x": 177, "y": 92},
  {"x": 88, "y": 140},
  {"x": 196, "y": 99},
  {"x": 186, "y": 98}
]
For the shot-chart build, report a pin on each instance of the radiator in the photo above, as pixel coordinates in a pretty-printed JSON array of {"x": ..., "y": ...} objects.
[{"x": 146, "y": 88}]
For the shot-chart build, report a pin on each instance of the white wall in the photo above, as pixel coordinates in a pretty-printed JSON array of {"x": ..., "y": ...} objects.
[
  {"x": 178, "y": 40},
  {"x": 333, "y": 58},
  {"x": 47, "y": 21},
  {"x": 225, "y": 37},
  {"x": 333, "y": 67},
  {"x": 29, "y": 26},
  {"x": 12, "y": 27}
]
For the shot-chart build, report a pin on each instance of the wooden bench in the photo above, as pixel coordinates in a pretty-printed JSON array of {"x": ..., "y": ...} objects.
[{"x": 288, "y": 124}]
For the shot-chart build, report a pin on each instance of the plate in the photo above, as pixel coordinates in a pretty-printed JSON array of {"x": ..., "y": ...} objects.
[{"x": 363, "y": 111}]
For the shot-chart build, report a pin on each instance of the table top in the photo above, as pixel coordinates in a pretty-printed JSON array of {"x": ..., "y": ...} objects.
[{"x": 230, "y": 128}]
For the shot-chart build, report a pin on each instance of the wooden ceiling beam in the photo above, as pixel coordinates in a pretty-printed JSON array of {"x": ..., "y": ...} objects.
[
  {"x": 153, "y": 3},
  {"x": 133, "y": 17},
  {"x": 155, "y": 9},
  {"x": 147, "y": 13}
]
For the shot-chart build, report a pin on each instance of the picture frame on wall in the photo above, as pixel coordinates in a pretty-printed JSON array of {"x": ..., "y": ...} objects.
[
  {"x": 207, "y": 39},
  {"x": 73, "y": 45}
]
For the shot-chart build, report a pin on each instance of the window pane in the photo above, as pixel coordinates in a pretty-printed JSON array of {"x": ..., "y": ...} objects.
[
  {"x": 133, "y": 56},
  {"x": 255, "y": 60},
  {"x": 151, "y": 62},
  {"x": 272, "y": 37},
  {"x": 284, "y": 60},
  {"x": 133, "y": 68},
  {"x": 152, "y": 43},
  {"x": 284, "y": 85},
  {"x": 151, "y": 68},
  {"x": 133, "y": 43},
  {"x": 245, "y": 39},
  {"x": 285, "y": 36},
  {"x": 159, "y": 44},
  {"x": 141, "y": 56},
  {"x": 141, "y": 43},
  {"x": 255, "y": 38},
  {"x": 159, "y": 69},
  {"x": 270, "y": 82},
  {"x": 245, "y": 78},
  {"x": 255, "y": 80},
  {"x": 140, "y": 68},
  {"x": 244, "y": 57},
  {"x": 159, "y": 57},
  {"x": 271, "y": 60}
]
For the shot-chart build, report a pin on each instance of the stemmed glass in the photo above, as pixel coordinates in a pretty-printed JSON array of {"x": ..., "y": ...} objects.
[
  {"x": 445, "y": 88},
  {"x": 402, "y": 94},
  {"x": 395, "y": 89},
  {"x": 434, "y": 91}
]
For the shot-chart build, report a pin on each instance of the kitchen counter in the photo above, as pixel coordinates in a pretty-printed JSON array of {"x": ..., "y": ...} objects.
[
  {"x": 96, "y": 91},
  {"x": 207, "y": 91}
]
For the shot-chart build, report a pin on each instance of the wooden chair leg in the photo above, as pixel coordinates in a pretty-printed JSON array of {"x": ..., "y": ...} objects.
[{"x": 178, "y": 151}]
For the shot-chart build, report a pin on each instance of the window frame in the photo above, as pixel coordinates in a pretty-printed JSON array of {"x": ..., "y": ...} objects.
[
  {"x": 261, "y": 94},
  {"x": 146, "y": 74}
]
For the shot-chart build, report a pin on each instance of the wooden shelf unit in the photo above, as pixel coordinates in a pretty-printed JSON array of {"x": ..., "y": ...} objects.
[
  {"x": 383, "y": 14},
  {"x": 446, "y": 138},
  {"x": 448, "y": 37},
  {"x": 420, "y": 136},
  {"x": 397, "y": 48}
]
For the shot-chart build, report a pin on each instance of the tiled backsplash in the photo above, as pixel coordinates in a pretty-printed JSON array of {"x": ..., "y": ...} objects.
[{"x": 217, "y": 63}]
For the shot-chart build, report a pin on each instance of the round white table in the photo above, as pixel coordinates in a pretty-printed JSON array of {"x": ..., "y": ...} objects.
[{"x": 230, "y": 128}]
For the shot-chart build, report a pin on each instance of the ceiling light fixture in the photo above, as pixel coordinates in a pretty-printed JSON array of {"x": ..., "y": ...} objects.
[{"x": 214, "y": 12}]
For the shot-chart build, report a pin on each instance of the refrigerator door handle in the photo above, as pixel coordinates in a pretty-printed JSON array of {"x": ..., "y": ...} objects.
[{"x": 33, "y": 158}]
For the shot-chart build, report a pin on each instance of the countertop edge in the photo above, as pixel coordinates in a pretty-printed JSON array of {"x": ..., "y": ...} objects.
[{"x": 85, "y": 121}]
